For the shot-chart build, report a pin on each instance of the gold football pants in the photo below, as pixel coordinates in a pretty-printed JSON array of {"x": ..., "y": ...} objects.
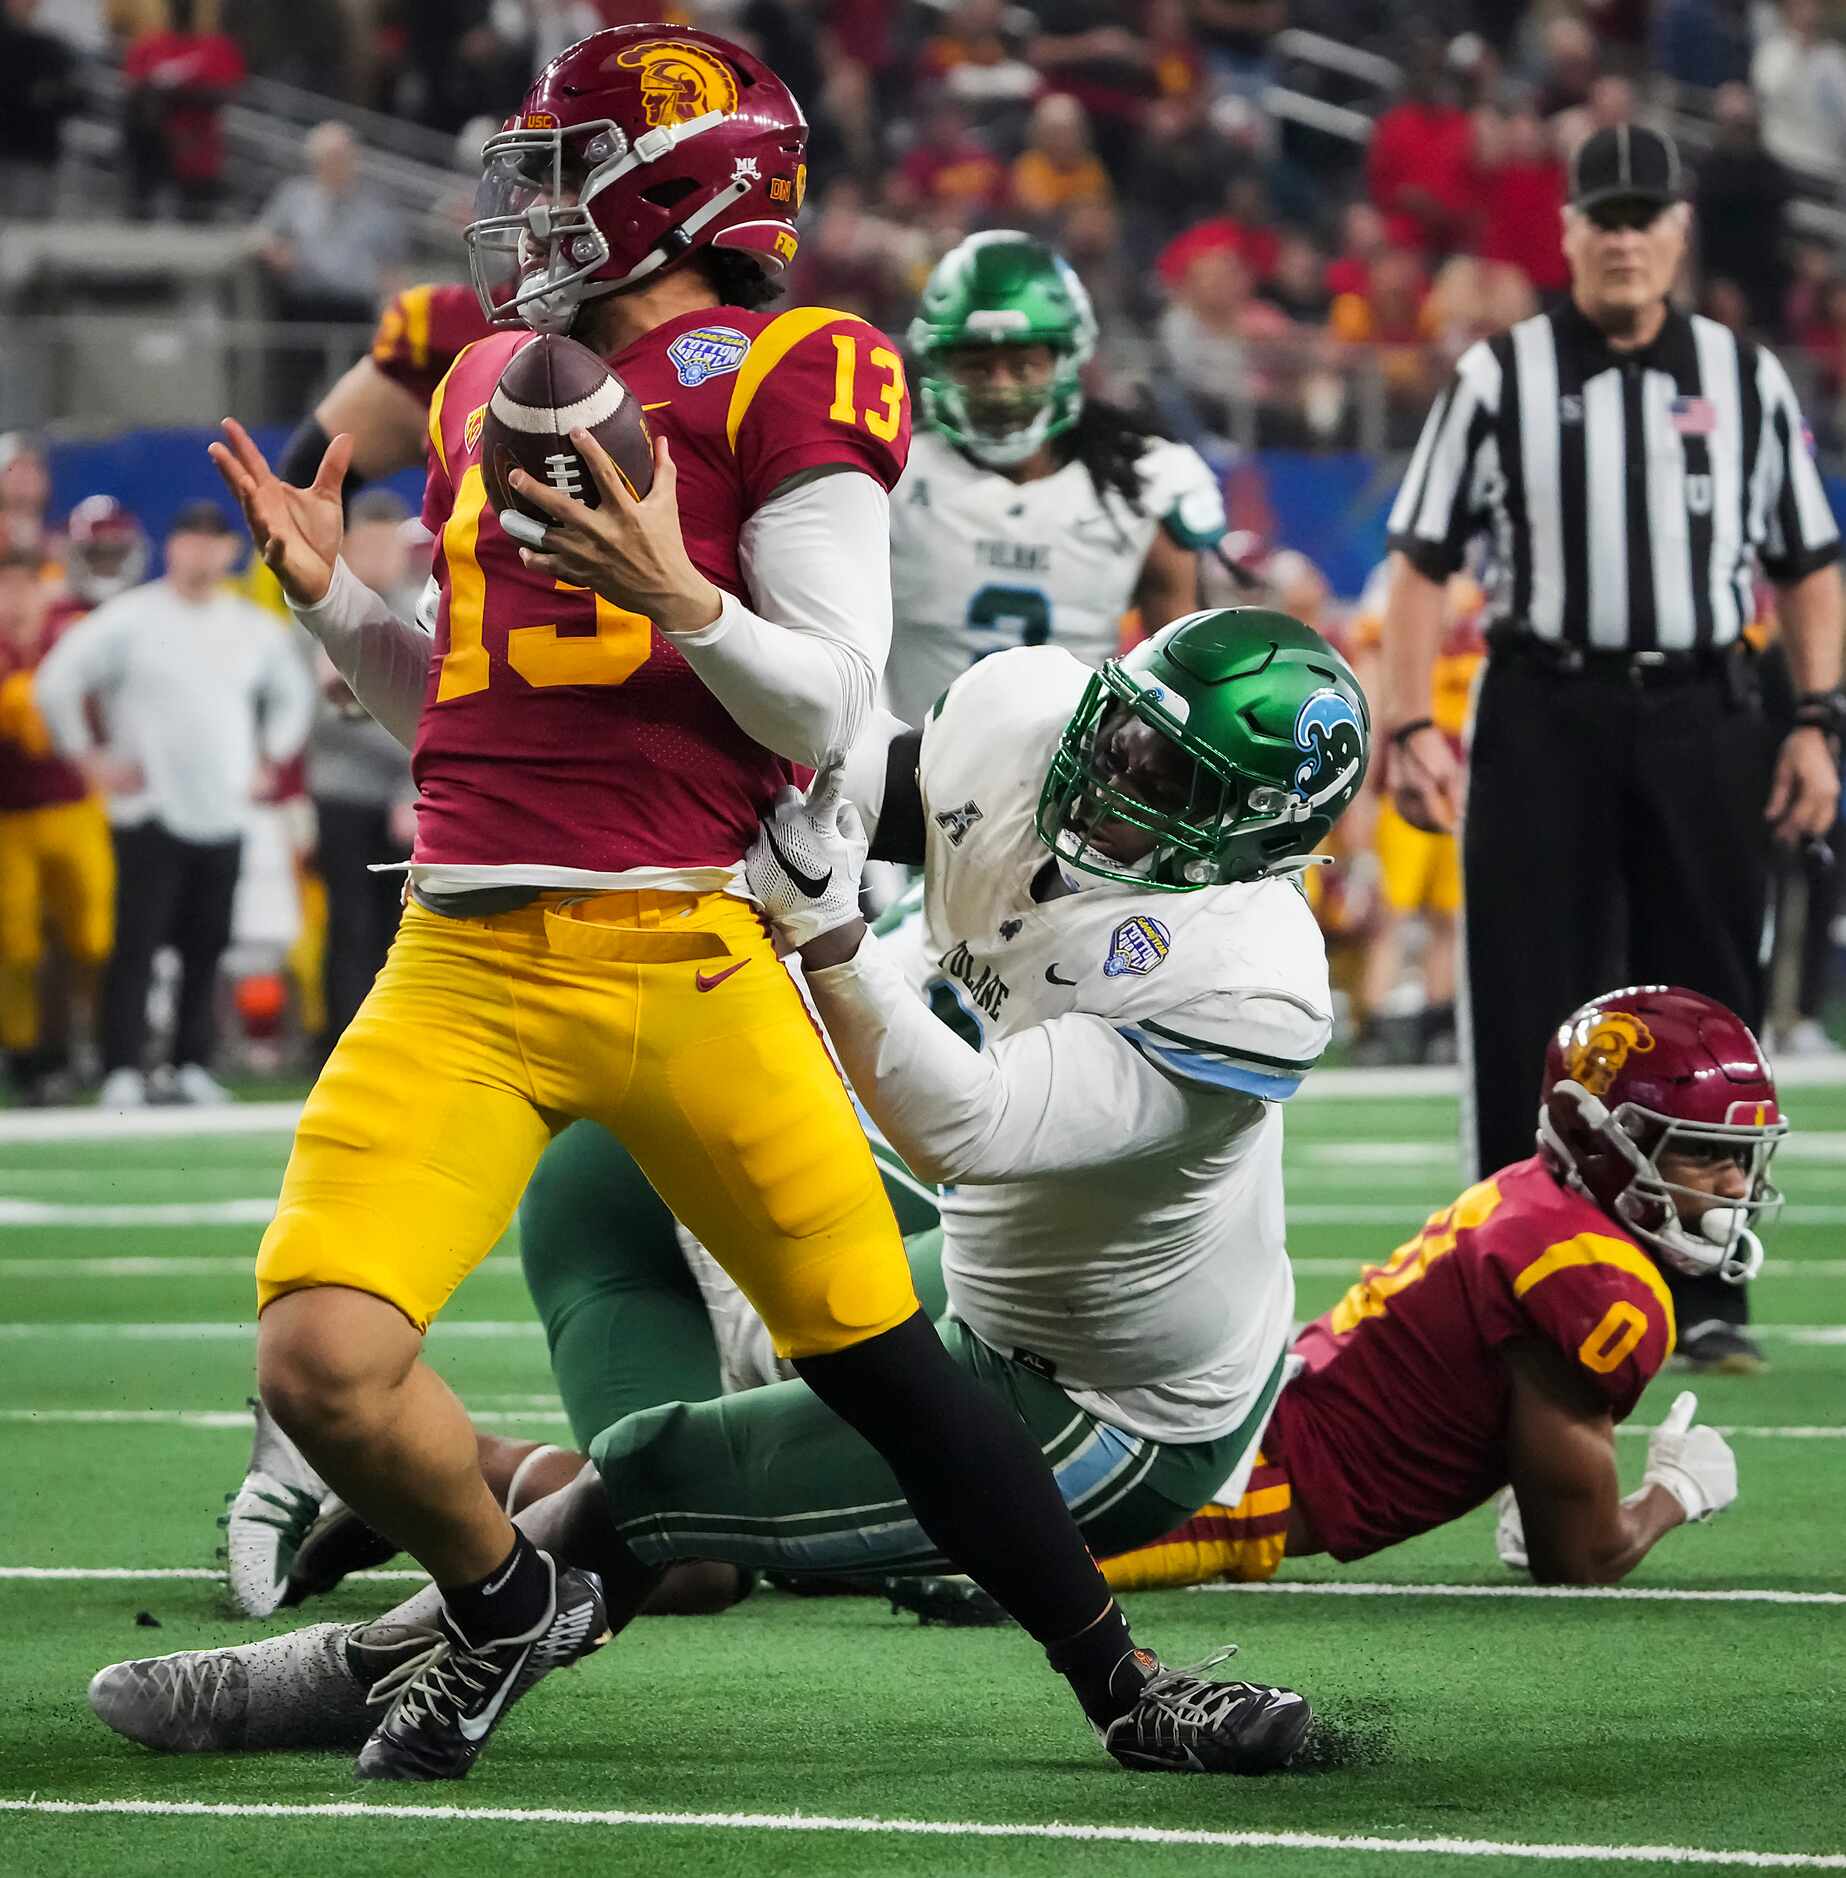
[
  {"x": 667, "y": 1018},
  {"x": 57, "y": 869}
]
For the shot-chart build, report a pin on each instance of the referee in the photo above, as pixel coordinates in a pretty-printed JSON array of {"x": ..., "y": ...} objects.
[{"x": 1632, "y": 468}]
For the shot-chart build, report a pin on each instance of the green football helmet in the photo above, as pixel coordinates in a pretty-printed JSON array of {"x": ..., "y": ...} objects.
[
  {"x": 1278, "y": 732},
  {"x": 1002, "y": 288}
]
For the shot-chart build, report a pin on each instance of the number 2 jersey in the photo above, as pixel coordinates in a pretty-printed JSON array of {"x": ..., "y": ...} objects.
[
  {"x": 980, "y": 563},
  {"x": 1399, "y": 1422},
  {"x": 562, "y": 732}
]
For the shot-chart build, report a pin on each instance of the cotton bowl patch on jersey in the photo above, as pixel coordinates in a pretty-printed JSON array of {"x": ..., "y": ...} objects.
[
  {"x": 707, "y": 352},
  {"x": 1137, "y": 946}
]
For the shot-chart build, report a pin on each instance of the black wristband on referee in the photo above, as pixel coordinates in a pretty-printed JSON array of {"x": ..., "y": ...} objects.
[
  {"x": 1824, "y": 711},
  {"x": 1404, "y": 732}
]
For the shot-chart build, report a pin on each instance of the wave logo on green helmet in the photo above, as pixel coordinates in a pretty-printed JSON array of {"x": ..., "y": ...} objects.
[{"x": 1329, "y": 730}]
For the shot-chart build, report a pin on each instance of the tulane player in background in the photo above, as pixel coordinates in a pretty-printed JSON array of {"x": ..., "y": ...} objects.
[{"x": 1029, "y": 514}]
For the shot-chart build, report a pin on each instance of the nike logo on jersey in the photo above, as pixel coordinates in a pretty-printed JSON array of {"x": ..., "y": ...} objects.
[
  {"x": 813, "y": 885},
  {"x": 717, "y": 978},
  {"x": 475, "y": 1727},
  {"x": 1052, "y": 978}
]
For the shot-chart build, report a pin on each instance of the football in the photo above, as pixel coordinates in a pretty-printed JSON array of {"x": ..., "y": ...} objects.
[{"x": 548, "y": 389}]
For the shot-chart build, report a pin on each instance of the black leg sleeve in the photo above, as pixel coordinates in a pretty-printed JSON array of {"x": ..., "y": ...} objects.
[{"x": 972, "y": 1473}]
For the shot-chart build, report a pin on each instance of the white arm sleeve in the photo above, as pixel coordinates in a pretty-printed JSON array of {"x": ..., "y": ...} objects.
[
  {"x": 1066, "y": 1094},
  {"x": 86, "y": 660},
  {"x": 868, "y": 765},
  {"x": 801, "y": 675},
  {"x": 384, "y": 659}
]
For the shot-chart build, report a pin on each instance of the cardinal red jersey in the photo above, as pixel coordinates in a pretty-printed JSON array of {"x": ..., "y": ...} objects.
[
  {"x": 1399, "y": 1423},
  {"x": 423, "y": 331},
  {"x": 560, "y": 730},
  {"x": 32, "y": 775}
]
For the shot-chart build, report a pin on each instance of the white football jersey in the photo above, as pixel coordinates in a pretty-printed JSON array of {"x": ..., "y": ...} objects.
[
  {"x": 1155, "y": 1288},
  {"x": 980, "y": 563}
]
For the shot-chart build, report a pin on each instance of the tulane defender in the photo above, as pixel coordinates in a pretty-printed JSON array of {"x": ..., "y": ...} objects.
[
  {"x": 1029, "y": 513},
  {"x": 1110, "y": 862}
]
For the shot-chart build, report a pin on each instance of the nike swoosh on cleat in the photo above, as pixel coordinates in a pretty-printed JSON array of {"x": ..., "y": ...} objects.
[
  {"x": 702, "y": 983},
  {"x": 475, "y": 1727},
  {"x": 811, "y": 884},
  {"x": 1052, "y": 978}
]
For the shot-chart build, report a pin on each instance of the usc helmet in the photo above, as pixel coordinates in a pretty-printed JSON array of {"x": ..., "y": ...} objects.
[
  {"x": 633, "y": 149},
  {"x": 1654, "y": 1069},
  {"x": 106, "y": 550}
]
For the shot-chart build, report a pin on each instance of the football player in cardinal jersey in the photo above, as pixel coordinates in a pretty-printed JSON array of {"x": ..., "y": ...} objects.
[
  {"x": 1109, "y": 863},
  {"x": 593, "y": 760},
  {"x": 382, "y": 401},
  {"x": 1503, "y": 1343},
  {"x": 1030, "y": 513}
]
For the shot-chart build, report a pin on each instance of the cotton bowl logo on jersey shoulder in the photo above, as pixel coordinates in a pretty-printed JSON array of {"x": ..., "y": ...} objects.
[
  {"x": 707, "y": 352},
  {"x": 1599, "y": 1046},
  {"x": 679, "y": 81},
  {"x": 1138, "y": 945},
  {"x": 1328, "y": 729}
]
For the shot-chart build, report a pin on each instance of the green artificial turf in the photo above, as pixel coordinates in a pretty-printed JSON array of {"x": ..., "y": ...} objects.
[{"x": 1715, "y": 1725}]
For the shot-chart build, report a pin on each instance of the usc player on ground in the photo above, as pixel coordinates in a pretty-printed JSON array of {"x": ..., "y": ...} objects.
[{"x": 592, "y": 766}]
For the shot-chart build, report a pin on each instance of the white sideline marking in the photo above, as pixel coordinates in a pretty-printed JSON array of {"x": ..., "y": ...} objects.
[
  {"x": 18, "y": 1213},
  {"x": 951, "y": 1829},
  {"x": 229, "y": 1263},
  {"x": 1640, "y": 1594},
  {"x": 485, "y": 1328},
  {"x": 1329, "y": 1588},
  {"x": 234, "y": 1118},
  {"x": 137, "y": 1574},
  {"x": 517, "y": 1410},
  {"x": 235, "y": 1418}
]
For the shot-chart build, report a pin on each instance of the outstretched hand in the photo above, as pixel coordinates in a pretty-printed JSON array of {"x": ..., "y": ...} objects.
[{"x": 297, "y": 532}]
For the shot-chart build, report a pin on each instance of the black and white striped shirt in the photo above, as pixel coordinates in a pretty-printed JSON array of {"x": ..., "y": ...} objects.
[{"x": 1628, "y": 496}]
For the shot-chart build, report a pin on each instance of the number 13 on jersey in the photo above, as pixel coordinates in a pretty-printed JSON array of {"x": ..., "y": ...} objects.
[
  {"x": 541, "y": 655},
  {"x": 882, "y": 418}
]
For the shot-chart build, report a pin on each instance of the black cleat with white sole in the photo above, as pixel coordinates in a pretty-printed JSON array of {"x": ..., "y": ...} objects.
[
  {"x": 448, "y": 1700},
  {"x": 1184, "y": 1723}
]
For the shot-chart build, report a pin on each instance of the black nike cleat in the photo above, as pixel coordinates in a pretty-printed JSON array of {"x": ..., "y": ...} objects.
[
  {"x": 446, "y": 1701},
  {"x": 335, "y": 1546},
  {"x": 1182, "y": 1723}
]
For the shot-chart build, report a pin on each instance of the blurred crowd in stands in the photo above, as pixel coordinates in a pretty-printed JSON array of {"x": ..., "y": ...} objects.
[
  {"x": 1252, "y": 210},
  {"x": 1231, "y": 237}
]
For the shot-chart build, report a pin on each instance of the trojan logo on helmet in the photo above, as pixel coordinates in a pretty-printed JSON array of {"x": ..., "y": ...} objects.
[
  {"x": 679, "y": 81},
  {"x": 1601, "y": 1044}
]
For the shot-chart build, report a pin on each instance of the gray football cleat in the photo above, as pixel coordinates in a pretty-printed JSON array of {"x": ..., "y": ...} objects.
[
  {"x": 305, "y": 1690},
  {"x": 1184, "y": 1723},
  {"x": 270, "y": 1515}
]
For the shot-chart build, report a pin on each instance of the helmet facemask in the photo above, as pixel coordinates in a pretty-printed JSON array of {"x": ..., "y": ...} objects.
[
  {"x": 1001, "y": 426},
  {"x": 1721, "y": 1238},
  {"x": 534, "y": 246},
  {"x": 1196, "y": 822}
]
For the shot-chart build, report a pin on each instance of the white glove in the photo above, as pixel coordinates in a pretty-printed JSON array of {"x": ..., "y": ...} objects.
[
  {"x": 805, "y": 863},
  {"x": 1695, "y": 1465},
  {"x": 1509, "y": 1533}
]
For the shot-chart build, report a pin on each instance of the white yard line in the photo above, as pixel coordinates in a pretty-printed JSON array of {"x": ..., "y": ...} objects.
[
  {"x": 1635, "y": 1594},
  {"x": 28, "y": 1213},
  {"x": 229, "y": 1264},
  {"x": 518, "y": 1410},
  {"x": 1323, "y": 1843},
  {"x": 486, "y": 1329},
  {"x": 234, "y": 1118},
  {"x": 149, "y": 1574}
]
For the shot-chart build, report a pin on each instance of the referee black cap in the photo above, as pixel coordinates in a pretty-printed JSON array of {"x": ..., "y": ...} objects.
[{"x": 1625, "y": 163}]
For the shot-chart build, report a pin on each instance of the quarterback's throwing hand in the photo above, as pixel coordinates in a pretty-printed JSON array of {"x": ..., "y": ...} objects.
[
  {"x": 806, "y": 860},
  {"x": 1695, "y": 1465}
]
